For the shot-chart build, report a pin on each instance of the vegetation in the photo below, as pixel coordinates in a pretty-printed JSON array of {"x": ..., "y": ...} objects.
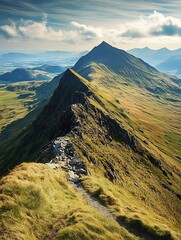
[
  {"x": 22, "y": 101},
  {"x": 36, "y": 203},
  {"x": 16, "y": 100},
  {"x": 128, "y": 137}
]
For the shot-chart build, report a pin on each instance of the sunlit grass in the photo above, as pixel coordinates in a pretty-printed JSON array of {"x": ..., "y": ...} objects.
[{"x": 36, "y": 202}]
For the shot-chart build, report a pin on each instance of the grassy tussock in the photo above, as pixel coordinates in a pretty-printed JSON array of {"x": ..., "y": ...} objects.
[
  {"x": 130, "y": 212},
  {"x": 36, "y": 202}
]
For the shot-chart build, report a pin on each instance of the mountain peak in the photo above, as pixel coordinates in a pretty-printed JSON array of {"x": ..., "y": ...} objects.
[
  {"x": 114, "y": 59},
  {"x": 105, "y": 44}
]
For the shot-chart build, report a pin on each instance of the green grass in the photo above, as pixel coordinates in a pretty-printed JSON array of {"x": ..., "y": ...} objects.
[
  {"x": 16, "y": 100},
  {"x": 144, "y": 197},
  {"x": 20, "y": 103},
  {"x": 11, "y": 107},
  {"x": 135, "y": 214},
  {"x": 36, "y": 202}
]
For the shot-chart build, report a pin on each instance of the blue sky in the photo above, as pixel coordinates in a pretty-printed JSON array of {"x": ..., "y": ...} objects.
[{"x": 79, "y": 25}]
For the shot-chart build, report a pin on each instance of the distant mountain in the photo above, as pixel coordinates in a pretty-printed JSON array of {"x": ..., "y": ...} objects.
[
  {"x": 171, "y": 65},
  {"x": 50, "y": 68},
  {"x": 16, "y": 55},
  {"x": 115, "y": 59},
  {"x": 22, "y": 74},
  {"x": 154, "y": 57},
  {"x": 58, "y": 53},
  {"x": 105, "y": 61}
]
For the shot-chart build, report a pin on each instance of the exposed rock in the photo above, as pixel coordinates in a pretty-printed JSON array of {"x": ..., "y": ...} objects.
[
  {"x": 111, "y": 172},
  {"x": 136, "y": 184},
  {"x": 154, "y": 161},
  {"x": 66, "y": 159},
  {"x": 82, "y": 171}
]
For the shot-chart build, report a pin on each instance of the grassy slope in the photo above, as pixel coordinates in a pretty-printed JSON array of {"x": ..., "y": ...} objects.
[
  {"x": 10, "y": 108},
  {"x": 36, "y": 202},
  {"x": 21, "y": 103},
  {"x": 16, "y": 100},
  {"x": 150, "y": 119},
  {"x": 142, "y": 197}
]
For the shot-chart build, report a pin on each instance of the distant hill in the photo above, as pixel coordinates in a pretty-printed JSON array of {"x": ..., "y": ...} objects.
[
  {"x": 171, "y": 65},
  {"x": 154, "y": 57},
  {"x": 16, "y": 55},
  {"x": 22, "y": 74},
  {"x": 50, "y": 68}
]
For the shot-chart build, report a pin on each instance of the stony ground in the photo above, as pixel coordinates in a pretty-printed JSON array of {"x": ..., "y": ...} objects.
[{"x": 66, "y": 158}]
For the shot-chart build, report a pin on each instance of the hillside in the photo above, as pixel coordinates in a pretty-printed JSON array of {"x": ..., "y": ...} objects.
[
  {"x": 50, "y": 68},
  {"x": 21, "y": 103},
  {"x": 120, "y": 140},
  {"x": 22, "y": 74},
  {"x": 108, "y": 64},
  {"x": 16, "y": 100},
  {"x": 37, "y": 210}
]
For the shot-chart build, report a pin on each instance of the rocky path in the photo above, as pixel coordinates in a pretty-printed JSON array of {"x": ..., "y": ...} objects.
[{"x": 66, "y": 158}]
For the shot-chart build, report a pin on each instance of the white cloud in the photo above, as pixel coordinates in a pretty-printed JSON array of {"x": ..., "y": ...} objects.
[
  {"x": 88, "y": 32},
  {"x": 9, "y": 30},
  {"x": 153, "y": 26},
  {"x": 35, "y": 30},
  {"x": 156, "y": 24}
]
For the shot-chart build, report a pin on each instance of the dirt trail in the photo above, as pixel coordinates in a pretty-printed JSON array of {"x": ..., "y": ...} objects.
[{"x": 66, "y": 159}]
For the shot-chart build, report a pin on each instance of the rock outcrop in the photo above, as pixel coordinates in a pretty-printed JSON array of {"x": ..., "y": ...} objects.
[{"x": 66, "y": 158}]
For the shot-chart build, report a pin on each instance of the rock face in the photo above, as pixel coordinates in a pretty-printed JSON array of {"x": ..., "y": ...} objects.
[{"x": 65, "y": 157}]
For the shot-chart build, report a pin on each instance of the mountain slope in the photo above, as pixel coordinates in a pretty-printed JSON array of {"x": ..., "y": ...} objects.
[
  {"x": 115, "y": 65},
  {"x": 48, "y": 124},
  {"x": 127, "y": 137},
  {"x": 34, "y": 95},
  {"x": 31, "y": 193}
]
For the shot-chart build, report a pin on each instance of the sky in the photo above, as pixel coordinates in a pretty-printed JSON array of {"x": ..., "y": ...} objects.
[{"x": 78, "y": 25}]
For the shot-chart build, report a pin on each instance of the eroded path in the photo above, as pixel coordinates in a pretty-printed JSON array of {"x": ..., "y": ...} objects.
[{"x": 65, "y": 158}]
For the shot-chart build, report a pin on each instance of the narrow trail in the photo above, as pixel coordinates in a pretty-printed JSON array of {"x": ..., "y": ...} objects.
[
  {"x": 66, "y": 159},
  {"x": 93, "y": 202}
]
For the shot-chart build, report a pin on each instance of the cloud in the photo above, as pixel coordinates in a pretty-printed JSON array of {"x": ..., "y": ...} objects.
[
  {"x": 167, "y": 26},
  {"x": 88, "y": 32},
  {"x": 35, "y": 30},
  {"x": 9, "y": 30},
  {"x": 152, "y": 26}
]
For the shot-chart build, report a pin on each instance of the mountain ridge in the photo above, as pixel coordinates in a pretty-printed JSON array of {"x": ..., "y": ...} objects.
[
  {"x": 125, "y": 137},
  {"x": 127, "y": 68}
]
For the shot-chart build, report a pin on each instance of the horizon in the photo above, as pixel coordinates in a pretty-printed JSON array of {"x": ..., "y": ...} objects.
[
  {"x": 86, "y": 50},
  {"x": 79, "y": 26}
]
